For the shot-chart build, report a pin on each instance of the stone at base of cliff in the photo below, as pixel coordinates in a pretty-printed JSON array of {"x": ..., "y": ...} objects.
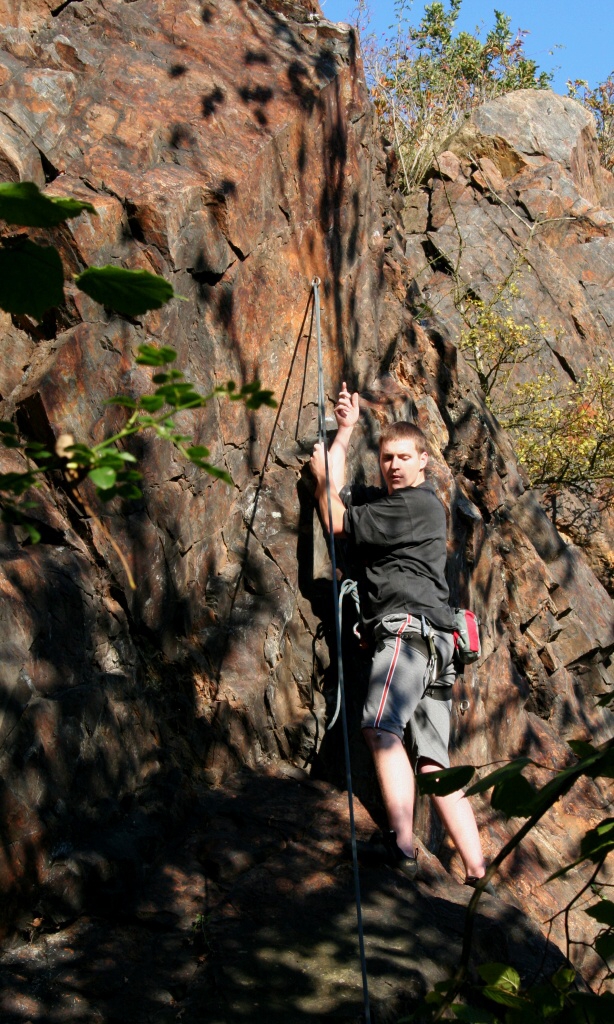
[{"x": 250, "y": 916}]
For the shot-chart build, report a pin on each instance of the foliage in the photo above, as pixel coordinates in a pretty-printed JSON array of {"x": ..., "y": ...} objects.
[
  {"x": 109, "y": 467},
  {"x": 564, "y": 433},
  {"x": 31, "y": 281},
  {"x": 556, "y": 1000},
  {"x": 425, "y": 79},
  {"x": 494, "y": 342},
  {"x": 600, "y": 101},
  {"x": 23, "y": 203},
  {"x": 32, "y": 277}
]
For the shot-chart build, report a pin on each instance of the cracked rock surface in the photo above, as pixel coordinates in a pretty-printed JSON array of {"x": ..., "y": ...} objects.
[{"x": 231, "y": 147}]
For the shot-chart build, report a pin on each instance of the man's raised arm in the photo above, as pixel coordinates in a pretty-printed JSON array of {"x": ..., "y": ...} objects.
[{"x": 346, "y": 414}]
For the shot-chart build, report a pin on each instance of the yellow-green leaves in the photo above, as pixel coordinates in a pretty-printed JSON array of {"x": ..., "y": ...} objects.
[
  {"x": 502, "y": 985},
  {"x": 564, "y": 434}
]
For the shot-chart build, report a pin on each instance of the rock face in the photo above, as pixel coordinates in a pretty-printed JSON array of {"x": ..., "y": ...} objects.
[
  {"x": 519, "y": 196},
  {"x": 231, "y": 147}
]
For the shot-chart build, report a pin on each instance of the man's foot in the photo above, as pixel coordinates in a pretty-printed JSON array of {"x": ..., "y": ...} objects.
[
  {"x": 473, "y": 881},
  {"x": 381, "y": 849}
]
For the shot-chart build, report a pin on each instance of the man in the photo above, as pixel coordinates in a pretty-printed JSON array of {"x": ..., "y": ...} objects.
[{"x": 399, "y": 532}]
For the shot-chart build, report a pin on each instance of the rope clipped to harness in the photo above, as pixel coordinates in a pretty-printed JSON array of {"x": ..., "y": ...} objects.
[
  {"x": 341, "y": 694},
  {"x": 431, "y": 666},
  {"x": 347, "y": 587}
]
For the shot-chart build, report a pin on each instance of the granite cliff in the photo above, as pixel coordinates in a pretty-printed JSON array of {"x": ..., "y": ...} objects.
[{"x": 231, "y": 147}]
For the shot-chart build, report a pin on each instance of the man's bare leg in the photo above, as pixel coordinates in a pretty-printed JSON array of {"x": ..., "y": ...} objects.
[
  {"x": 396, "y": 781},
  {"x": 457, "y": 815}
]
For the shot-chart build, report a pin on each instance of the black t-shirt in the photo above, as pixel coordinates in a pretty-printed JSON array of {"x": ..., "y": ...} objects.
[{"x": 401, "y": 542}]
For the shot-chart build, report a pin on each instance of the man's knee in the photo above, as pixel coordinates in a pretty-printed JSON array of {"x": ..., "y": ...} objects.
[{"x": 426, "y": 764}]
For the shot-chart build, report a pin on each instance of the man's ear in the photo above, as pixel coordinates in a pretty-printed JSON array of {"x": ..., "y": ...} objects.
[{"x": 424, "y": 458}]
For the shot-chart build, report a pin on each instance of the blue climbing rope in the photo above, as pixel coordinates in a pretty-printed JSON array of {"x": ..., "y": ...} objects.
[{"x": 341, "y": 685}]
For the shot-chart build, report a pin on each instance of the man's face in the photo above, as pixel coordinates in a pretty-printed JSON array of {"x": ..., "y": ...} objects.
[{"x": 401, "y": 464}]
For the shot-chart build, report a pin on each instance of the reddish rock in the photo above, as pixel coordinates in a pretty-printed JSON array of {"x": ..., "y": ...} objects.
[{"x": 232, "y": 149}]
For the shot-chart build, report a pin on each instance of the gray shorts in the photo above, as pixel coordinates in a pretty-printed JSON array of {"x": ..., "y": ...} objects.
[{"x": 395, "y": 698}]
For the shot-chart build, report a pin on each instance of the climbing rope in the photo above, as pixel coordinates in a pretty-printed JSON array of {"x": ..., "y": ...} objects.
[
  {"x": 341, "y": 684},
  {"x": 347, "y": 587}
]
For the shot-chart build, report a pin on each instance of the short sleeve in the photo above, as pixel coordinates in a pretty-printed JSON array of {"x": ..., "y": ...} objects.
[
  {"x": 356, "y": 498},
  {"x": 378, "y": 523}
]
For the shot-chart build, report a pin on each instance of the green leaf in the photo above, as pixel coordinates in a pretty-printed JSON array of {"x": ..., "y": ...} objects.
[
  {"x": 129, "y": 492},
  {"x": 500, "y": 975},
  {"x": 6, "y": 427},
  {"x": 605, "y": 699},
  {"x": 602, "y": 912},
  {"x": 604, "y": 945},
  {"x": 154, "y": 355},
  {"x": 514, "y": 797},
  {"x": 505, "y": 998},
  {"x": 23, "y": 203},
  {"x": 36, "y": 450},
  {"x": 598, "y": 841},
  {"x": 546, "y": 999},
  {"x": 17, "y": 483},
  {"x": 103, "y": 477},
  {"x": 128, "y": 403},
  {"x": 581, "y": 748},
  {"x": 164, "y": 378},
  {"x": 604, "y": 766},
  {"x": 215, "y": 471},
  {"x": 470, "y": 1015},
  {"x": 131, "y": 292},
  {"x": 564, "y": 978},
  {"x": 197, "y": 451},
  {"x": 33, "y": 531},
  {"x": 31, "y": 278},
  {"x": 592, "y": 1009},
  {"x": 446, "y": 780},
  {"x": 181, "y": 395},
  {"x": 11, "y": 442},
  {"x": 508, "y": 771},
  {"x": 152, "y": 402},
  {"x": 595, "y": 845},
  {"x": 261, "y": 398}
]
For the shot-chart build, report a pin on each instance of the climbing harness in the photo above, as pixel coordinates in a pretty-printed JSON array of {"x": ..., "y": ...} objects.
[{"x": 341, "y": 692}]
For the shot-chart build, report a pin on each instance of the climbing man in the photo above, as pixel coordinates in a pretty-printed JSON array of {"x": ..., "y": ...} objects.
[{"x": 399, "y": 535}]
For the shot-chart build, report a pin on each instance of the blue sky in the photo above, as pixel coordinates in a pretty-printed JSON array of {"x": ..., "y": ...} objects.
[{"x": 583, "y": 31}]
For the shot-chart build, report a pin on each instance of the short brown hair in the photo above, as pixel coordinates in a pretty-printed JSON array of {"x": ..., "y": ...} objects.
[{"x": 403, "y": 431}]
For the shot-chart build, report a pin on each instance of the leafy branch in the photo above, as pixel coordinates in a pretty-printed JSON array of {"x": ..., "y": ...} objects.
[
  {"x": 31, "y": 281},
  {"x": 514, "y": 796}
]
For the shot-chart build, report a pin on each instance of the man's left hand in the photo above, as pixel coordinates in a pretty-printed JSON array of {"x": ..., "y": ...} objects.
[{"x": 317, "y": 464}]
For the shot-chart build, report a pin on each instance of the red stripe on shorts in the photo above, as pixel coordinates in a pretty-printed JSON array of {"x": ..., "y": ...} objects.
[{"x": 393, "y": 665}]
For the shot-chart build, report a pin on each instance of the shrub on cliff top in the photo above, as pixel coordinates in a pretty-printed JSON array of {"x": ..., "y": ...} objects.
[
  {"x": 600, "y": 101},
  {"x": 424, "y": 79}
]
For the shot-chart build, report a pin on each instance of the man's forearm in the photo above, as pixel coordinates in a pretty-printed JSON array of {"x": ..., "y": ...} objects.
[
  {"x": 337, "y": 456},
  {"x": 337, "y": 507}
]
